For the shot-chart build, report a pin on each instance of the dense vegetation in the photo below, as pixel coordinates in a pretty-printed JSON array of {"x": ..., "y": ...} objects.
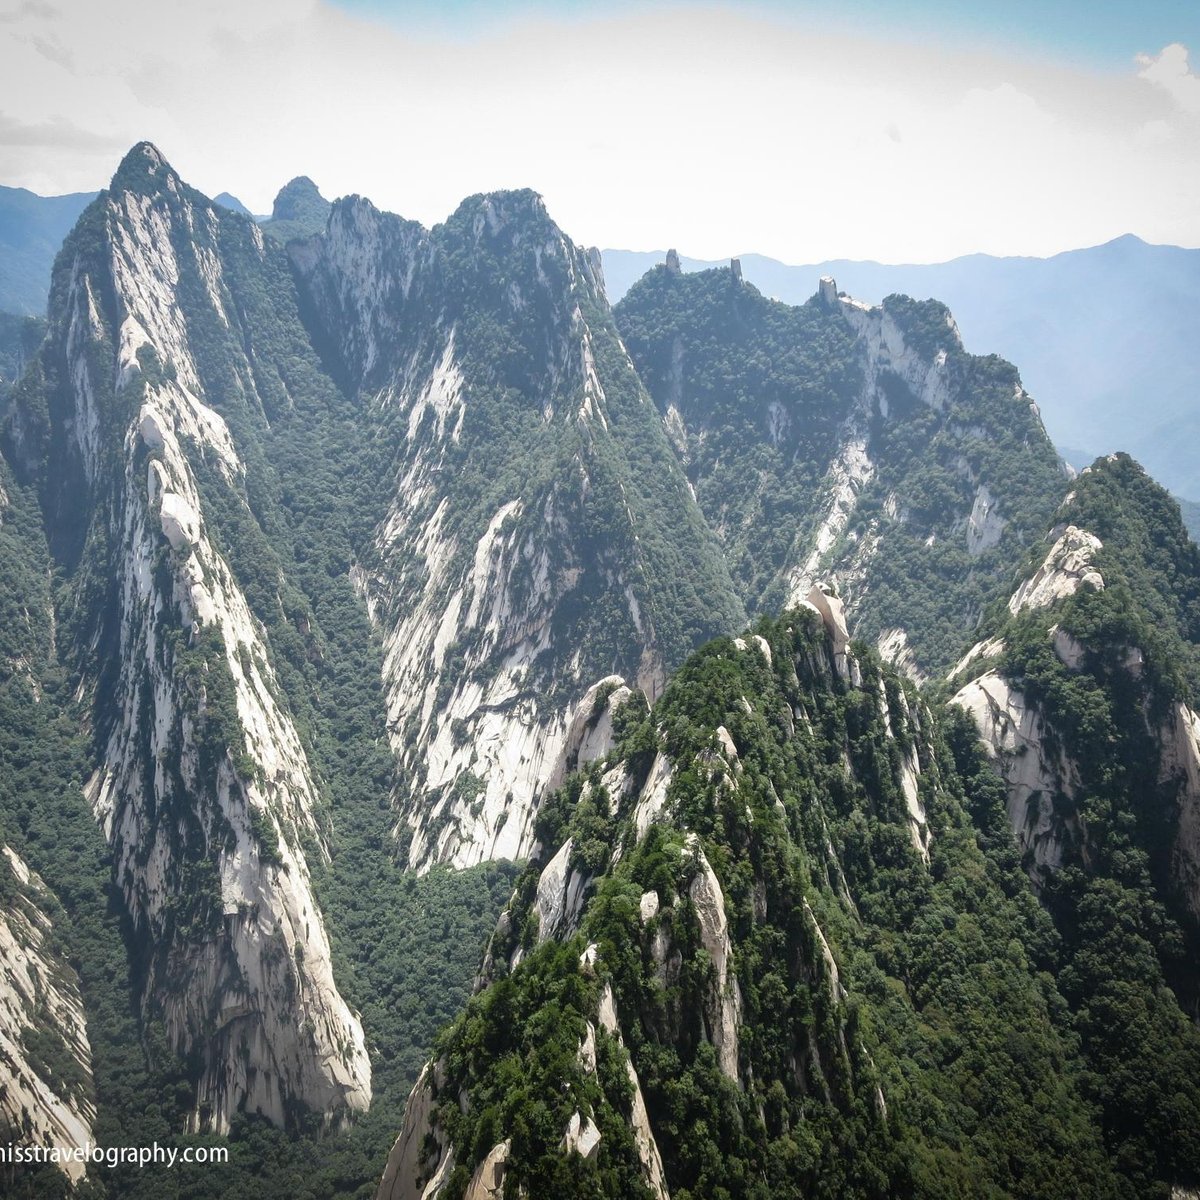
[
  {"x": 1131, "y": 939},
  {"x": 760, "y": 391},
  {"x": 299, "y": 211},
  {"x": 762, "y": 397},
  {"x": 945, "y": 998}
]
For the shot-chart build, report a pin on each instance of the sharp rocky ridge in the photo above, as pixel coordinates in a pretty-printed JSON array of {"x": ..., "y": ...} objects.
[
  {"x": 840, "y": 441},
  {"x": 538, "y": 535},
  {"x": 202, "y": 784}
]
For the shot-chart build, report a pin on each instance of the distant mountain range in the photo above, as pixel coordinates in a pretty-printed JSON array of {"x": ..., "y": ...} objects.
[
  {"x": 32, "y": 228},
  {"x": 1104, "y": 337}
]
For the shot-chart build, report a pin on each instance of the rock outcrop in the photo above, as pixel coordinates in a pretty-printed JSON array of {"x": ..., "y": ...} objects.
[
  {"x": 828, "y": 606},
  {"x": 590, "y": 734},
  {"x": 723, "y": 1010},
  {"x": 560, "y": 894},
  {"x": 421, "y": 1158},
  {"x": 488, "y": 1181},
  {"x": 1066, "y": 567},
  {"x": 889, "y": 352},
  {"x": 639, "y": 1120},
  {"x": 985, "y": 524},
  {"x": 1015, "y": 736},
  {"x": 652, "y": 799},
  {"x": 582, "y": 1137},
  {"x": 1181, "y": 763},
  {"x": 894, "y": 649},
  {"x": 1042, "y": 769}
]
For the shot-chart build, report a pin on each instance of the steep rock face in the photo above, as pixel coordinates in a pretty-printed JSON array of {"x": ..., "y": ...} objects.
[
  {"x": 837, "y": 440},
  {"x": 203, "y": 786},
  {"x": 539, "y": 535},
  {"x": 590, "y": 735},
  {"x": 1040, "y": 775},
  {"x": 1040, "y": 764},
  {"x": 828, "y": 606},
  {"x": 985, "y": 526},
  {"x": 359, "y": 276},
  {"x": 909, "y": 717},
  {"x": 421, "y": 1158},
  {"x": 560, "y": 892},
  {"x": 488, "y": 1181},
  {"x": 648, "y": 1152},
  {"x": 1014, "y": 733},
  {"x": 1181, "y": 761},
  {"x": 46, "y": 1097},
  {"x": 894, "y": 649},
  {"x": 1067, "y": 566}
]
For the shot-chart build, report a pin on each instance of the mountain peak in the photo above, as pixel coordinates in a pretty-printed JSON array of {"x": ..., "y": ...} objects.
[
  {"x": 300, "y": 200},
  {"x": 147, "y": 151},
  {"x": 143, "y": 168},
  {"x": 503, "y": 208},
  {"x": 231, "y": 202},
  {"x": 299, "y": 211}
]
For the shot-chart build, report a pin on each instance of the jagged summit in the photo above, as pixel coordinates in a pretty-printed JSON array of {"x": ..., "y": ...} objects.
[
  {"x": 560, "y": 547},
  {"x": 155, "y": 313},
  {"x": 823, "y": 403},
  {"x": 504, "y": 211},
  {"x": 144, "y": 153}
]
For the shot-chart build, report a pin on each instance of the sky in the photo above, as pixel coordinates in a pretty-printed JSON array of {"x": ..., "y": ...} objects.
[{"x": 800, "y": 129}]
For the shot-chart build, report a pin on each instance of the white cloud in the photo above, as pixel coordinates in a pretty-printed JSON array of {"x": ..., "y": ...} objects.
[
  {"x": 703, "y": 128},
  {"x": 1169, "y": 70}
]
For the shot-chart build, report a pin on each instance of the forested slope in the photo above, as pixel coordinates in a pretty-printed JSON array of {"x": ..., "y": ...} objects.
[
  {"x": 1085, "y": 696},
  {"x": 764, "y": 951}
]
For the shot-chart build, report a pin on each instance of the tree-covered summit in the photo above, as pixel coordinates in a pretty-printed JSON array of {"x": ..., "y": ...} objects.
[
  {"x": 1084, "y": 693},
  {"x": 763, "y": 951},
  {"x": 299, "y": 210}
]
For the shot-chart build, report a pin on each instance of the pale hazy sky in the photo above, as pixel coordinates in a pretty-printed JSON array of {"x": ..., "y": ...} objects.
[{"x": 914, "y": 132}]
